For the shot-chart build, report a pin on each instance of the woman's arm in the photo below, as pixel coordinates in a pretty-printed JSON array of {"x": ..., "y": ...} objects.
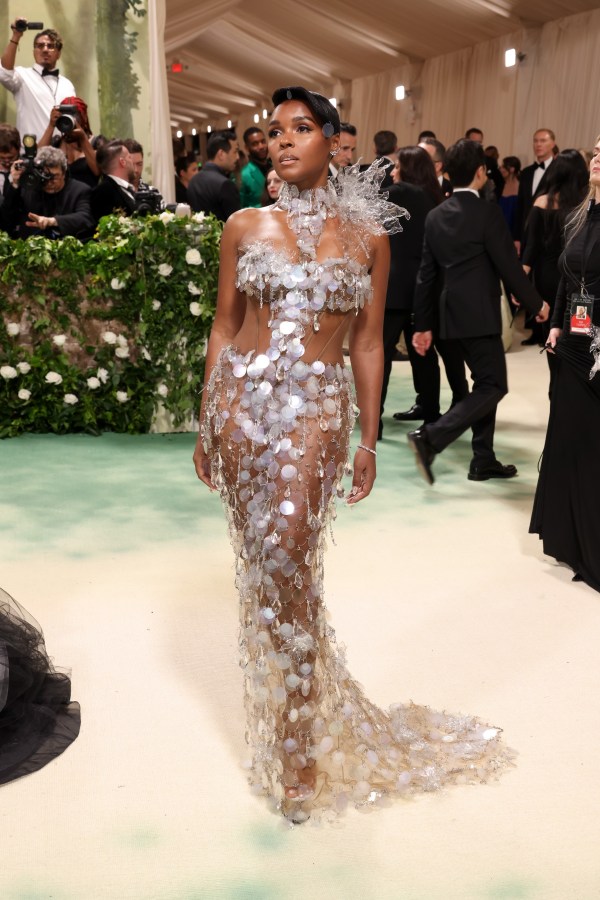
[
  {"x": 366, "y": 356},
  {"x": 229, "y": 315}
]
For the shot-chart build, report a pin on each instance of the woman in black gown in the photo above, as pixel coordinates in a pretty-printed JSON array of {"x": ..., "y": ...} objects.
[
  {"x": 567, "y": 185},
  {"x": 38, "y": 721},
  {"x": 565, "y": 512}
]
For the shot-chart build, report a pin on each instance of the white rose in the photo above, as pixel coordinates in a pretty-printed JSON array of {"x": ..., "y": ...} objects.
[
  {"x": 146, "y": 355},
  {"x": 195, "y": 308},
  {"x": 166, "y": 216},
  {"x": 24, "y": 394},
  {"x": 93, "y": 383},
  {"x": 165, "y": 270},
  {"x": 102, "y": 375},
  {"x": 198, "y": 217},
  {"x": 117, "y": 285},
  {"x": 122, "y": 352},
  {"x": 13, "y": 329},
  {"x": 23, "y": 368},
  {"x": 156, "y": 304},
  {"x": 195, "y": 291},
  {"x": 71, "y": 399},
  {"x": 122, "y": 396},
  {"x": 8, "y": 372},
  {"x": 59, "y": 340},
  {"x": 53, "y": 378},
  {"x": 122, "y": 340},
  {"x": 163, "y": 390},
  {"x": 192, "y": 257},
  {"x": 109, "y": 336}
]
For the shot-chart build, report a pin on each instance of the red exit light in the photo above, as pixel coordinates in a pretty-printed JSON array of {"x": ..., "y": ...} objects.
[{"x": 177, "y": 67}]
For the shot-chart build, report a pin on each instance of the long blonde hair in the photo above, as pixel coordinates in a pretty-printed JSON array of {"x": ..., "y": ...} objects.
[{"x": 577, "y": 219}]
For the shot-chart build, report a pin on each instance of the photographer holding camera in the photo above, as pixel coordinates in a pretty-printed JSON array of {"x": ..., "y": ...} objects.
[
  {"x": 70, "y": 119},
  {"x": 38, "y": 88},
  {"x": 10, "y": 147},
  {"x": 47, "y": 203}
]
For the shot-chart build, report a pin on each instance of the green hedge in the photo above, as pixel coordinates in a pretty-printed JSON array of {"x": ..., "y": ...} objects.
[{"x": 95, "y": 337}]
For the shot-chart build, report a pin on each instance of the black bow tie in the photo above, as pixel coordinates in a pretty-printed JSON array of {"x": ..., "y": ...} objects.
[
  {"x": 50, "y": 72},
  {"x": 541, "y": 165}
]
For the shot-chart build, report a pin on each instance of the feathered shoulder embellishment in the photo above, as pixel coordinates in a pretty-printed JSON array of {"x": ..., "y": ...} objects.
[{"x": 361, "y": 201}]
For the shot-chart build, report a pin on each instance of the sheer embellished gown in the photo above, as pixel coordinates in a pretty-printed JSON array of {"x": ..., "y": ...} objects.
[
  {"x": 38, "y": 721},
  {"x": 276, "y": 427}
]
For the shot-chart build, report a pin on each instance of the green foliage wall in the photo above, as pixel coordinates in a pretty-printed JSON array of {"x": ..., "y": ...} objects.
[{"x": 94, "y": 337}]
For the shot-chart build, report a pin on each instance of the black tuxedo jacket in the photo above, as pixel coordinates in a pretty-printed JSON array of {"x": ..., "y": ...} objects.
[
  {"x": 525, "y": 198},
  {"x": 109, "y": 197},
  {"x": 70, "y": 207},
  {"x": 212, "y": 191},
  {"x": 467, "y": 241},
  {"x": 407, "y": 246}
]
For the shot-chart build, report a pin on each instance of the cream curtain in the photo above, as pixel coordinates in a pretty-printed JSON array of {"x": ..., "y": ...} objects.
[
  {"x": 163, "y": 176},
  {"x": 554, "y": 86}
]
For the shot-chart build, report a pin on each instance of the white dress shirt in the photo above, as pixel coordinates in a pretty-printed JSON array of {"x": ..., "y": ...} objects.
[
  {"x": 470, "y": 190},
  {"x": 539, "y": 174},
  {"x": 35, "y": 95}
]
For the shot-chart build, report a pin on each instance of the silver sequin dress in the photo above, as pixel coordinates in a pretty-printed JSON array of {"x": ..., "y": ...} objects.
[{"x": 277, "y": 424}]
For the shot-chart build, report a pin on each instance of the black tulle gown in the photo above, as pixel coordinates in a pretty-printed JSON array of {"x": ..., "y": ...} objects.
[
  {"x": 38, "y": 721},
  {"x": 567, "y": 501}
]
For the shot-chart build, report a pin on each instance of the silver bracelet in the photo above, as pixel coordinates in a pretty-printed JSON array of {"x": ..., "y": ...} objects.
[{"x": 368, "y": 449}]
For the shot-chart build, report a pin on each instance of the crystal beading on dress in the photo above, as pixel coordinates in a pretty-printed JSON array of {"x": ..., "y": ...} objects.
[{"x": 276, "y": 428}]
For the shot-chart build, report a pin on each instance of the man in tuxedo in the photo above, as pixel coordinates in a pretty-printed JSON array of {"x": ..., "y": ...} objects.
[
  {"x": 437, "y": 152},
  {"x": 115, "y": 191},
  {"x": 10, "y": 147},
  {"x": 385, "y": 144},
  {"x": 212, "y": 190},
  {"x": 468, "y": 242},
  {"x": 55, "y": 207},
  {"x": 532, "y": 181},
  {"x": 345, "y": 153}
]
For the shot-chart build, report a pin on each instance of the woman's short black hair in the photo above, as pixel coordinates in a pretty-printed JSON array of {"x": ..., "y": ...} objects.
[{"x": 323, "y": 111}]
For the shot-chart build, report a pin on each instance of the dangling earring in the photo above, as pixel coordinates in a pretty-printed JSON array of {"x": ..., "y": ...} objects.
[{"x": 333, "y": 152}]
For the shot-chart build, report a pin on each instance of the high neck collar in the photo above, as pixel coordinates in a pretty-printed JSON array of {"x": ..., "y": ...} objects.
[{"x": 307, "y": 212}]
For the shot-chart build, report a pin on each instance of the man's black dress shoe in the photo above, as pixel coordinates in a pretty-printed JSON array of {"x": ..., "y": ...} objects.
[
  {"x": 492, "y": 470},
  {"x": 424, "y": 453},
  {"x": 414, "y": 414}
]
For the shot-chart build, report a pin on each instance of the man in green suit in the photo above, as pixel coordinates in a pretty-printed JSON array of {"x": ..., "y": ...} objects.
[{"x": 255, "y": 172}]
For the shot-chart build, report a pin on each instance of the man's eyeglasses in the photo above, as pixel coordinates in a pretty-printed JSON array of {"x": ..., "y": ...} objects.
[{"x": 49, "y": 45}]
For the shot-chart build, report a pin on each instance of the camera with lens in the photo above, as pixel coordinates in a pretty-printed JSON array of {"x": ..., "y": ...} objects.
[
  {"x": 67, "y": 119},
  {"x": 23, "y": 25},
  {"x": 33, "y": 173},
  {"x": 148, "y": 202}
]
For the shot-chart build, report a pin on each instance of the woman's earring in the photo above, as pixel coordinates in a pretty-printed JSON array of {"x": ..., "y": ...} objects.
[{"x": 333, "y": 152}]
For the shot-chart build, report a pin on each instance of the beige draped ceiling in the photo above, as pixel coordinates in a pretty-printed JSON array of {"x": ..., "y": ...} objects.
[{"x": 448, "y": 53}]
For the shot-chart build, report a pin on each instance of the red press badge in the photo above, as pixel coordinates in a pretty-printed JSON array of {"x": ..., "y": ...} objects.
[{"x": 580, "y": 317}]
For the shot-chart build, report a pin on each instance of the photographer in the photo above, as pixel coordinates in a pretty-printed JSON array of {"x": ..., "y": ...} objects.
[
  {"x": 71, "y": 120},
  {"x": 48, "y": 204},
  {"x": 10, "y": 146},
  {"x": 39, "y": 87},
  {"x": 115, "y": 191}
]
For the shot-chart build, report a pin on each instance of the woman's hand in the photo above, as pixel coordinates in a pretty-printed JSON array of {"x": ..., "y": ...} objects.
[
  {"x": 553, "y": 336},
  {"x": 202, "y": 465},
  {"x": 363, "y": 477}
]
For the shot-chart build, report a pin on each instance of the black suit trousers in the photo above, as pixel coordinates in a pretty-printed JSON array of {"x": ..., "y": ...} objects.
[
  {"x": 425, "y": 369},
  {"x": 485, "y": 358}
]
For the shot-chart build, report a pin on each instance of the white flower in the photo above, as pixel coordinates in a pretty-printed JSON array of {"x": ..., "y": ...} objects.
[
  {"x": 198, "y": 217},
  {"x": 59, "y": 340},
  {"x": 93, "y": 383},
  {"x": 166, "y": 216},
  {"x": 13, "y": 329},
  {"x": 122, "y": 352},
  {"x": 71, "y": 399},
  {"x": 122, "y": 340},
  {"x": 165, "y": 270},
  {"x": 195, "y": 308},
  {"x": 110, "y": 337},
  {"x": 102, "y": 375},
  {"x": 8, "y": 372},
  {"x": 24, "y": 394},
  {"x": 53, "y": 378},
  {"x": 23, "y": 368},
  {"x": 163, "y": 390},
  {"x": 122, "y": 396},
  {"x": 156, "y": 304},
  {"x": 117, "y": 285},
  {"x": 147, "y": 356},
  {"x": 193, "y": 289},
  {"x": 192, "y": 257}
]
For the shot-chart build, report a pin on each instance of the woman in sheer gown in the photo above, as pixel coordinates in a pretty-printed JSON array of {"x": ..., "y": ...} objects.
[
  {"x": 38, "y": 721},
  {"x": 565, "y": 511},
  {"x": 276, "y": 417}
]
